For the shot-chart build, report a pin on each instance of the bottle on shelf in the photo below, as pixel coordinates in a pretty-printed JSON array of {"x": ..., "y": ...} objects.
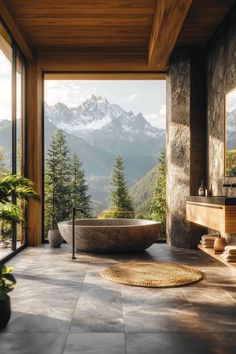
[{"x": 201, "y": 190}]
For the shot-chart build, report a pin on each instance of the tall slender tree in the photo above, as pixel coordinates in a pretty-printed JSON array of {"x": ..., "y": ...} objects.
[
  {"x": 3, "y": 169},
  {"x": 158, "y": 203},
  {"x": 57, "y": 182},
  {"x": 119, "y": 194},
  {"x": 79, "y": 187}
]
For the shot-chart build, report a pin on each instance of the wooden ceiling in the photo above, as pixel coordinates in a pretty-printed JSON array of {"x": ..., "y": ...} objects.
[
  {"x": 85, "y": 24},
  {"x": 145, "y": 31},
  {"x": 203, "y": 19}
]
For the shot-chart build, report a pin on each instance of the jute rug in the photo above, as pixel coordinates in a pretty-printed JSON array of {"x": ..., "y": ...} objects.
[{"x": 152, "y": 274}]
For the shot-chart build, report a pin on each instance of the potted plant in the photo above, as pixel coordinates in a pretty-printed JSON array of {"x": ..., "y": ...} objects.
[
  {"x": 14, "y": 187},
  {"x": 7, "y": 284}
]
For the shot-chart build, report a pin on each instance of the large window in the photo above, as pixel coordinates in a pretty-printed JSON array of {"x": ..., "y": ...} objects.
[
  {"x": 95, "y": 131},
  {"x": 12, "y": 120}
]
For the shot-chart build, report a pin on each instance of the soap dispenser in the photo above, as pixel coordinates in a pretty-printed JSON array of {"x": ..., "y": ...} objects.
[{"x": 201, "y": 190}]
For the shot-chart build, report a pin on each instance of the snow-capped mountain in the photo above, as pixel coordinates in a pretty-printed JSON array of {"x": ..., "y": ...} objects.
[
  {"x": 97, "y": 131},
  {"x": 231, "y": 129},
  {"x": 107, "y": 126}
]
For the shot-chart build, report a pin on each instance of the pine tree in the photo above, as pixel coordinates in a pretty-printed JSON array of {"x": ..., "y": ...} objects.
[
  {"x": 120, "y": 201},
  {"x": 79, "y": 187},
  {"x": 3, "y": 169},
  {"x": 158, "y": 203},
  {"x": 57, "y": 182}
]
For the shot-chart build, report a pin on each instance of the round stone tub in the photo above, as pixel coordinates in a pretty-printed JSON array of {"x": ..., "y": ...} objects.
[{"x": 111, "y": 235}]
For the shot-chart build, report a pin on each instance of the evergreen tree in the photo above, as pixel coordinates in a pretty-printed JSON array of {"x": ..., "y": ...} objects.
[
  {"x": 3, "y": 169},
  {"x": 120, "y": 201},
  {"x": 57, "y": 182},
  {"x": 79, "y": 187},
  {"x": 158, "y": 203}
]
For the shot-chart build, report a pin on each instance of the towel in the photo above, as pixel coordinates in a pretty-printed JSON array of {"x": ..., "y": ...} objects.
[
  {"x": 228, "y": 258},
  {"x": 230, "y": 252},
  {"x": 209, "y": 237},
  {"x": 207, "y": 244},
  {"x": 230, "y": 248}
]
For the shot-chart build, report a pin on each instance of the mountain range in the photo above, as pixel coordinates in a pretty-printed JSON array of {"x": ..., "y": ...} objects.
[
  {"x": 98, "y": 131},
  {"x": 231, "y": 129}
]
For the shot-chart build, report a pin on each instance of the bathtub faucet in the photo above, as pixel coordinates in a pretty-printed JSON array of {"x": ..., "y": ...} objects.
[{"x": 74, "y": 210}]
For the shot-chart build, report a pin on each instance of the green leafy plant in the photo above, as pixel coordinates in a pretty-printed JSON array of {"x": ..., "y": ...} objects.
[
  {"x": 14, "y": 187},
  {"x": 7, "y": 281}
]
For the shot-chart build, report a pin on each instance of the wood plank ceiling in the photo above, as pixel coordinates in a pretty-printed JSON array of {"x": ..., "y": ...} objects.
[
  {"x": 122, "y": 28},
  {"x": 85, "y": 23}
]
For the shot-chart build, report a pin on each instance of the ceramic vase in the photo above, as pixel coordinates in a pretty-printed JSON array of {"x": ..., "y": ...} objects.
[{"x": 219, "y": 244}]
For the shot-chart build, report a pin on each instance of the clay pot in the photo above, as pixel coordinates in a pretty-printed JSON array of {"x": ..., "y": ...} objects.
[
  {"x": 55, "y": 239},
  {"x": 5, "y": 312},
  {"x": 219, "y": 244}
]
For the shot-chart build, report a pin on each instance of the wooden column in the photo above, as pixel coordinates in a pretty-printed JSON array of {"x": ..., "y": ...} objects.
[{"x": 34, "y": 106}]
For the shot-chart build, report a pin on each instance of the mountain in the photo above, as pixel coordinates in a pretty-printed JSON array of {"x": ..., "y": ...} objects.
[
  {"x": 97, "y": 131},
  {"x": 142, "y": 191},
  {"x": 231, "y": 129},
  {"x": 108, "y": 127}
]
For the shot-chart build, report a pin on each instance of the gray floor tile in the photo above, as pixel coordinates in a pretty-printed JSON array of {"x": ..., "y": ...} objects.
[
  {"x": 56, "y": 297},
  {"x": 36, "y": 343},
  {"x": 95, "y": 343},
  {"x": 98, "y": 310},
  {"x": 178, "y": 343}
]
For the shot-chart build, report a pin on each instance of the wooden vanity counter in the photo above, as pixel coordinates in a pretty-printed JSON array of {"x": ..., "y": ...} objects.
[{"x": 217, "y": 213}]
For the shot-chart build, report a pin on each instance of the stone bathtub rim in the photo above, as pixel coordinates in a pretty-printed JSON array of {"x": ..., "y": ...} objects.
[{"x": 150, "y": 222}]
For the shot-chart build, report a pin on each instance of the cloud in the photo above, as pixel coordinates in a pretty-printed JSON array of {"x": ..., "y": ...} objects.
[
  {"x": 231, "y": 101},
  {"x": 133, "y": 97},
  {"x": 163, "y": 110}
]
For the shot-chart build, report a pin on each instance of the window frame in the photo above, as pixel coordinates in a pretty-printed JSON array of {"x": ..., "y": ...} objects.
[{"x": 16, "y": 52}]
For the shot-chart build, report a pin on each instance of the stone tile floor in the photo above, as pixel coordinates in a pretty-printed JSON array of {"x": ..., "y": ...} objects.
[{"x": 64, "y": 306}]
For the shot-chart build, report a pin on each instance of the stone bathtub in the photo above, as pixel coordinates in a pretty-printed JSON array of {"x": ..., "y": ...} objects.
[{"x": 111, "y": 235}]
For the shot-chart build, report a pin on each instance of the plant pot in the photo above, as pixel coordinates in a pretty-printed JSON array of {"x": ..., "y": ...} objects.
[
  {"x": 5, "y": 244},
  {"x": 5, "y": 312},
  {"x": 55, "y": 239}
]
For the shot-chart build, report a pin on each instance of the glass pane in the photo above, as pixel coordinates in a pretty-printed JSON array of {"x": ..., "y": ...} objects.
[
  {"x": 104, "y": 150},
  {"x": 230, "y": 134},
  {"x": 6, "y": 55},
  {"x": 19, "y": 134}
]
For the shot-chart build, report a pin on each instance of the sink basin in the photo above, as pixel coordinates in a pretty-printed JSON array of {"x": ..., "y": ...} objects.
[{"x": 216, "y": 199}]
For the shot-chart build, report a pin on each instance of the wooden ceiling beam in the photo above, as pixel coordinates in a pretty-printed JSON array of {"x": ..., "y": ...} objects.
[
  {"x": 167, "y": 24},
  {"x": 15, "y": 31},
  {"x": 55, "y": 61}
]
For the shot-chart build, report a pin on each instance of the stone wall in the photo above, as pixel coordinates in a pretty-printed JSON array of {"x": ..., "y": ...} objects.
[
  {"x": 186, "y": 142},
  {"x": 196, "y": 85},
  {"x": 221, "y": 77}
]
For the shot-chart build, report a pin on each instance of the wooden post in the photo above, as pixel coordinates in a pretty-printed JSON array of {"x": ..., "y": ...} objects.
[{"x": 34, "y": 156}]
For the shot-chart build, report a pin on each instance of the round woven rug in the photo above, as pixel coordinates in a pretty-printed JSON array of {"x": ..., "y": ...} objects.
[{"x": 152, "y": 274}]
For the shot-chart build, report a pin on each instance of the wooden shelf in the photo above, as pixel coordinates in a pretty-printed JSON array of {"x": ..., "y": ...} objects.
[{"x": 211, "y": 253}]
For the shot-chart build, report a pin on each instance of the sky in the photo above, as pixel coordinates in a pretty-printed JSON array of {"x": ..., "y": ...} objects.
[
  {"x": 5, "y": 87},
  {"x": 231, "y": 100},
  {"x": 145, "y": 96}
]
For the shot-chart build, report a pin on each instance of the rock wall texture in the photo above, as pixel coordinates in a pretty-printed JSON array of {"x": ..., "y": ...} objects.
[
  {"x": 186, "y": 143},
  {"x": 221, "y": 77}
]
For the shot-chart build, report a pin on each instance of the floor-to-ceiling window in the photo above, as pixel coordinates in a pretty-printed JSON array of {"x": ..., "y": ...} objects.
[
  {"x": 12, "y": 122},
  {"x": 88, "y": 124}
]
